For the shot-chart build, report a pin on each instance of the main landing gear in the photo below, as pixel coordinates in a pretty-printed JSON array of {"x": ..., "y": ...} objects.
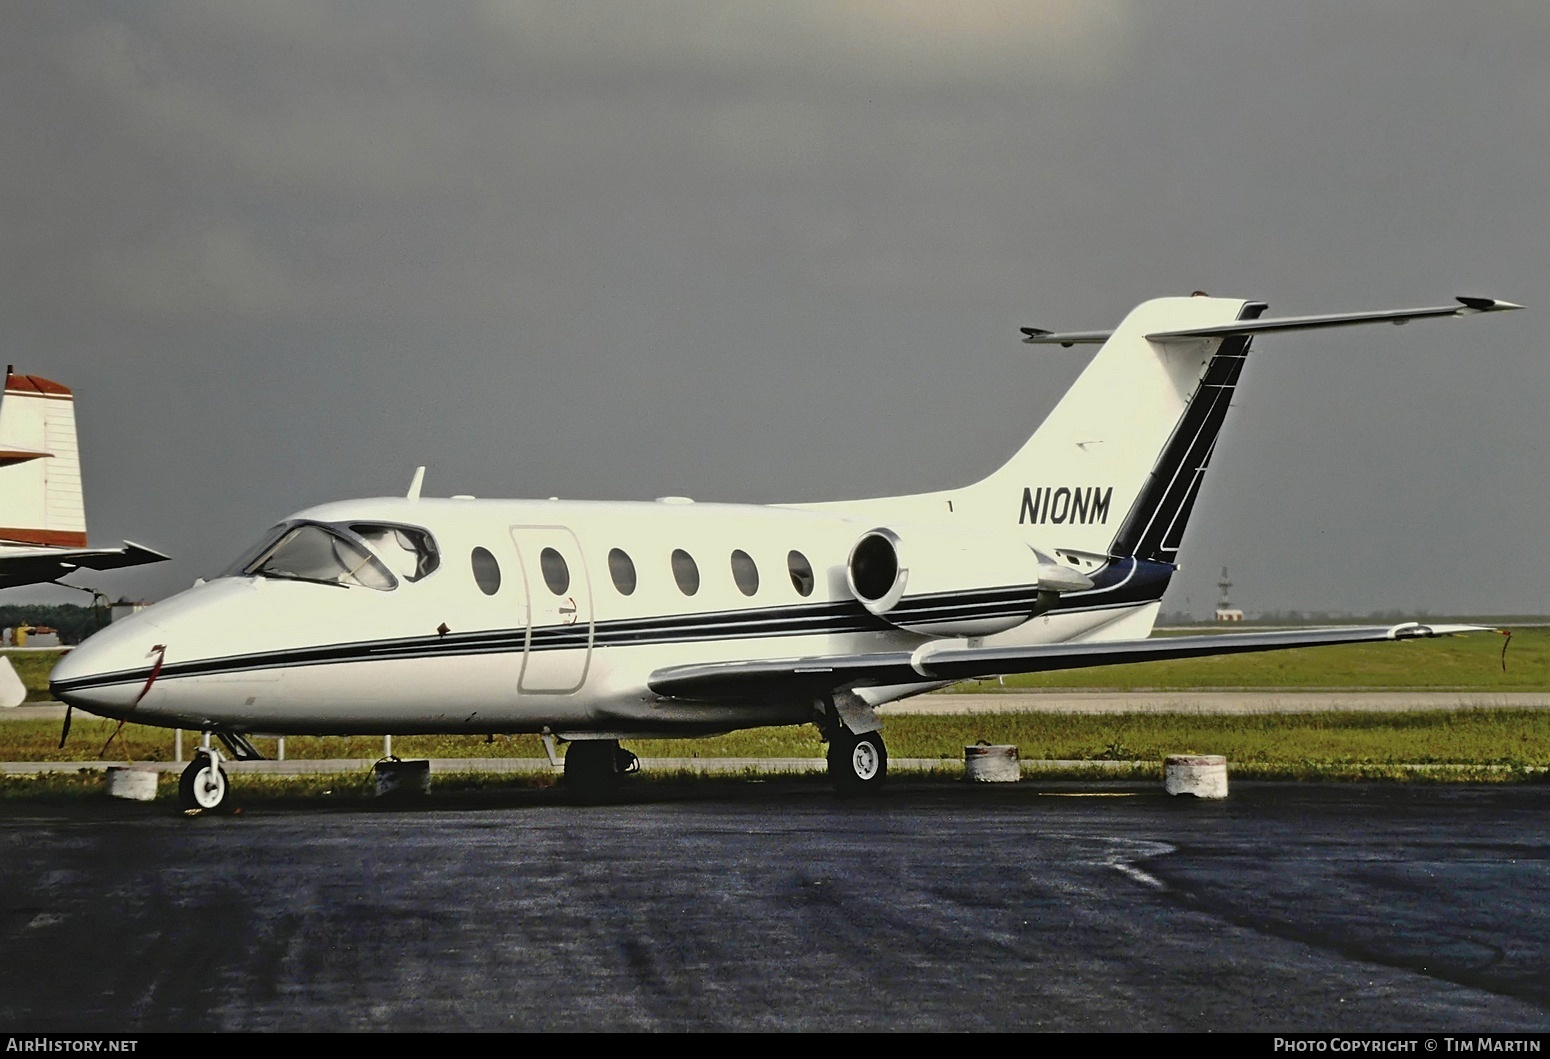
[
  {"x": 857, "y": 763},
  {"x": 594, "y": 769}
]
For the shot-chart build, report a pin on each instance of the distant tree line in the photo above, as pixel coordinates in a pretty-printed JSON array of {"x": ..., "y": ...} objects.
[{"x": 73, "y": 623}]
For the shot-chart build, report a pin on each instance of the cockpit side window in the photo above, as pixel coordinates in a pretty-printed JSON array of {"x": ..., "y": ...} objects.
[
  {"x": 311, "y": 551},
  {"x": 408, "y": 551},
  {"x": 249, "y": 557}
]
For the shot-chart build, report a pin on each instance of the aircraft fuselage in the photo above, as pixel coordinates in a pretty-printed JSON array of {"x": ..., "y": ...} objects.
[{"x": 524, "y": 624}]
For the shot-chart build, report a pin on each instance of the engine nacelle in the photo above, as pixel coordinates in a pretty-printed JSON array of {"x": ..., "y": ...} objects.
[{"x": 945, "y": 582}]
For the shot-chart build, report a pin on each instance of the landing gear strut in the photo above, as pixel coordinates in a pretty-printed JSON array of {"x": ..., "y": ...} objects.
[
  {"x": 594, "y": 768},
  {"x": 203, "y": 785}
]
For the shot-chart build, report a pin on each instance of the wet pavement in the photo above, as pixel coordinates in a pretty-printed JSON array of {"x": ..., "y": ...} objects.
[{"x": 742, "y": 904}]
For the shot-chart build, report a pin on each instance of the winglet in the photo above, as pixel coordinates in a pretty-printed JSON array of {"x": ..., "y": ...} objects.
[{"x": 415, "y": 483}]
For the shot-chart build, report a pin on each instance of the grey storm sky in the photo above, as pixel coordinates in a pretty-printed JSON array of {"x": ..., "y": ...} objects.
[{"x": 285, "y": 252}]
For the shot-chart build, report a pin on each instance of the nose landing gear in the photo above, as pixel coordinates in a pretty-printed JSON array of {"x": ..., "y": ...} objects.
[{"x": 203, "y": 785}]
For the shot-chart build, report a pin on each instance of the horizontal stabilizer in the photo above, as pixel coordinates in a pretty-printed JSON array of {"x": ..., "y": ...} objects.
[
  {"x": 131, "y": 554},
  {"x": 32, "y": 566},
  {"x": 1034, "y": 335},
  {"x": 1467, "y": 306},
  {"x": 946, "y": 662},
  {"x": 15, "y": 455}
]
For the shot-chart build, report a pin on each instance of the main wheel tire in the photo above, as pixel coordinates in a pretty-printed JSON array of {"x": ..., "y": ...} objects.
[
  {"x": 857, "y": 763},
  {"x": 204, "y": 786},
  {"x": 592, "y": 770}
]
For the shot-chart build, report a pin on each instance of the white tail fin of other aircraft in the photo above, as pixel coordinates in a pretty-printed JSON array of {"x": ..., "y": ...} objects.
[
  {"x": 595, "y": 621},
  {"x": 40, "y": 468},
  {"x": 42, "y": 509}
]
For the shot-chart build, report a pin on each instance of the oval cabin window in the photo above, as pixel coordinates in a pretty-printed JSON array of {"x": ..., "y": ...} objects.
[
  {"x": 487, "y": 572},
  {"x": 556, "y": 573},
  {"x": 745, "y": 572},
  {"x": 801, "y": 573},
  {"x": 686, "y": 572},
  {"x": 622, "y": 569}
]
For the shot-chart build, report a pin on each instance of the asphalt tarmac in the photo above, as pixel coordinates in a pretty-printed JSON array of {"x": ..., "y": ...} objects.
[{"x": 758, "y": 905}]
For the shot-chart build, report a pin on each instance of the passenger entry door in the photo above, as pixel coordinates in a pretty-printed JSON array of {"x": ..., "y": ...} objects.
[{"x": 558, "y": 647}]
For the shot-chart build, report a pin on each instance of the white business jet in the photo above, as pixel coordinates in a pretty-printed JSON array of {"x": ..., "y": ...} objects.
[{"x": 596, "y": 622}]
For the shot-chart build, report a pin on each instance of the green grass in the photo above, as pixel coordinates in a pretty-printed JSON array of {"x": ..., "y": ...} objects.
[
  {"x": 1484, "y": 737},
  {"x": 1513, "y": 738},
  {"x": 1505, "y": 737}
]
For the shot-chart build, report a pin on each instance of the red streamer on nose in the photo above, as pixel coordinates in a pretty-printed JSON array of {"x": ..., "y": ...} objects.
[{"x": 161, "y": 656}]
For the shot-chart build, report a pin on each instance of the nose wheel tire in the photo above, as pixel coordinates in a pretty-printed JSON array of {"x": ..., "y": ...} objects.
[
  {"x": 204, "y": 786},
  {"x": 857, "y": 763}
]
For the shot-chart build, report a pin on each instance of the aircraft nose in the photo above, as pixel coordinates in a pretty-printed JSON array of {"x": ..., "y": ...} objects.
[{"x": 106, "y": 673}]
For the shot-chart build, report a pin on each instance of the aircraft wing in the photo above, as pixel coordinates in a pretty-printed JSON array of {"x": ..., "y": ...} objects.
[
  {"x": 33, "y": 566},
  {"x": 785, "y": 679}
]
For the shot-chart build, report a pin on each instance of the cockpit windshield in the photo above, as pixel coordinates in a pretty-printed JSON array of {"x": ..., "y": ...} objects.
[{"x": 311, "y": 551}]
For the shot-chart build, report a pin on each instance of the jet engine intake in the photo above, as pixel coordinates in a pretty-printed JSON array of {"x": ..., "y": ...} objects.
[{"x": 942, "y": 582}]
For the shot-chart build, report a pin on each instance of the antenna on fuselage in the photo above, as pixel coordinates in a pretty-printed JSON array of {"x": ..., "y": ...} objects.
[{"x": 415, "y": 483}]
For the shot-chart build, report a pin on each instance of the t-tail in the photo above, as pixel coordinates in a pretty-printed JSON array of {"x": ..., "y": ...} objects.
[
  {"x": 1103, "y": 490},
  {"x": 1114, "y": 470},
  {"x": 1115, "y": 467}
]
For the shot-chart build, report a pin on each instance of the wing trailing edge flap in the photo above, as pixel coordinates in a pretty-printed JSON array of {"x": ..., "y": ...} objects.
[{"x": 944, "y": 661}]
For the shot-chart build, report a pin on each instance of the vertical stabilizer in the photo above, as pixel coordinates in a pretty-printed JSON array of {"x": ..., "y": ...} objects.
[
  {"x": 1115, "y": 467},
  {"x": 40, "y": 467}
]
